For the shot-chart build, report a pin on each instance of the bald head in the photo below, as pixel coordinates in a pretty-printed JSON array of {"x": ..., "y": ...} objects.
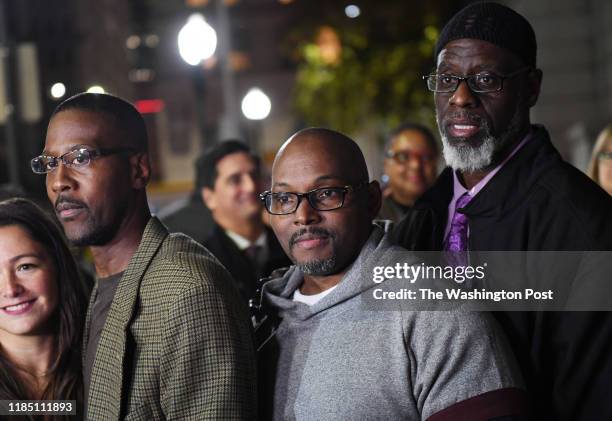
[
  {"x": 334, "y": 147},
  {"x": 335, "y": 203}
]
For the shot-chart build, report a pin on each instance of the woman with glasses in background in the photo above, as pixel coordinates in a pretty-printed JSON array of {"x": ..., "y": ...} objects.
[
  {"x": 42, "y": 307},
  {"x": 411, "y": 167},
  {"x": 600, "y": 167}
]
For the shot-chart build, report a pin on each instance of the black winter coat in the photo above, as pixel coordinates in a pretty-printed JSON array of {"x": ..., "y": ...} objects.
[{"x": 538, "y": 202}]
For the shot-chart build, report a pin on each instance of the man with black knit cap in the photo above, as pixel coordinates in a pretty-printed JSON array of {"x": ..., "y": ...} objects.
[{"x": 507, "y": 189}]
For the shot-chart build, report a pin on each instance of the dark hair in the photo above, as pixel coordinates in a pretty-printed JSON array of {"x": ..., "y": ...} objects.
[
  {"x": 424, "y": 130},
  {"x": 65, "y": 374},
  {"x": 124, "y": 114},
  {"x": 206, "y": 164}
]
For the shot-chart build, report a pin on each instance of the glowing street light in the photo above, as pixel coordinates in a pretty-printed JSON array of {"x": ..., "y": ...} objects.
[
  {"x": 95, "y": 89},
  {"x": 197, "y": 40},
  {"x": 256, "y": 105},
  {"x": 352, "y": 11},
  {"x": 58, "y": 90}
]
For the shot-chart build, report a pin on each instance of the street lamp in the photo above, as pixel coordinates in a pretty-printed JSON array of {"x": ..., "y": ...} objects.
[
  {"x": 58, "y": 90},
  {"x": 256, "y": 105},
  {"x": 197, "y": 40},
  {"x": 352, "y": 11}
]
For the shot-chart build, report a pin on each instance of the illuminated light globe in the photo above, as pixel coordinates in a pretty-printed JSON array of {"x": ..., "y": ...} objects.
[
  {"x": 352, "y": 11},
  {"x": 256, "y": 105},
  {"x": 58, "y": 90},
  {"x": 96, "y": 89},
  {"x": 197, "y": 40}
]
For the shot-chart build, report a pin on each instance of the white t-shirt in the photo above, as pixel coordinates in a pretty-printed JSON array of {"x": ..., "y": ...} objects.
[{"x": 311, "y": 299}]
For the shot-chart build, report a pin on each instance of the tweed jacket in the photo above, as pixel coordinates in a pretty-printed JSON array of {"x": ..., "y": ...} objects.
[{"x": 177, "y": 342}]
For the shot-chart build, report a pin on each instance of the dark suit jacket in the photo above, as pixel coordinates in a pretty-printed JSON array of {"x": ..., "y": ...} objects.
[
  {"x": 177, "y": 342},
  {"x": 192, "y": 218},
  {"x": 239, "y": 265},
  {"x": 538, "y": 202},
  {"x": 391, "y": 210}
]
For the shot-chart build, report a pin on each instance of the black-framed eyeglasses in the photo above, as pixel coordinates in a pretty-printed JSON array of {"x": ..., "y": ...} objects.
[
  {"x": 483, "y": 82},
  {"x": 76, "y": 158},
  {"x": 402, "y": 157},
  {"x": 321, "y": 199},
  {"x": 604, "y": 156}
]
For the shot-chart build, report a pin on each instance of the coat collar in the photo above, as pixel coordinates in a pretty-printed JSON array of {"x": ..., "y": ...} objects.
[
  {"x": 106, "y": 385},
  {"x": 510, "y": 187},
  {"x": 507, "y": 189}
]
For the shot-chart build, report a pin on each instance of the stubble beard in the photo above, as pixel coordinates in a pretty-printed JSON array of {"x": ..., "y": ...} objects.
[
  {"x": 318, "y": 267},
  {"x": 94, "y": 233},
  {"x": 315, "y": 267}
]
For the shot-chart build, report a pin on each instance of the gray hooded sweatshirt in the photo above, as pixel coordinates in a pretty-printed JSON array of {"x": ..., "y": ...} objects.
[{"x": 340, "y": 360}]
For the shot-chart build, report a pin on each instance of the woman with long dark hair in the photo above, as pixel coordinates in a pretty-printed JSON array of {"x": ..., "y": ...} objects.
[{"x": 42, "y": 307}]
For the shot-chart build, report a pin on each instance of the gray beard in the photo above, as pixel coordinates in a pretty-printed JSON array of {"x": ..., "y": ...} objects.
[
  {"x": 318, "y": 267},
  {"x": 468, "y": 158}
]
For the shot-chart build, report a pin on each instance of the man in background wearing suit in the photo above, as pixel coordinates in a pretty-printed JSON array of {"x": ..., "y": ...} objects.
[{"x": 229, "y": 178}]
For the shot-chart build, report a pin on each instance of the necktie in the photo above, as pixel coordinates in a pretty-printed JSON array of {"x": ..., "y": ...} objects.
[
  {"x": 252, "y": 253},
  {"x": 457, "y": 241}
]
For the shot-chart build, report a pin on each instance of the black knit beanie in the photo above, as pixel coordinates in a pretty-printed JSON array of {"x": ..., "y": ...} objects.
[{"x": 494, "y": 23}]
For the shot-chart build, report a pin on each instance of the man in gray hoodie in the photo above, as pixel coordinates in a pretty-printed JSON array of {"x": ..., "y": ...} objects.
[{"x": 332, "y": 357}]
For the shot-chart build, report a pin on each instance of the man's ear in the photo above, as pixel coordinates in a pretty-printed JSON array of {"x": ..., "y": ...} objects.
[
  {"x": 209, "y": 198},
  {"x": 534, "y": 83},
  {"x": 140, "y": 170},
  {"x": 374, "y": 199}
]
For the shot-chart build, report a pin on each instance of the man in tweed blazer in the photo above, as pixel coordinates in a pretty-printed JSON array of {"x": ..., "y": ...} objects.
[{"x": 167, "y": 336}]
